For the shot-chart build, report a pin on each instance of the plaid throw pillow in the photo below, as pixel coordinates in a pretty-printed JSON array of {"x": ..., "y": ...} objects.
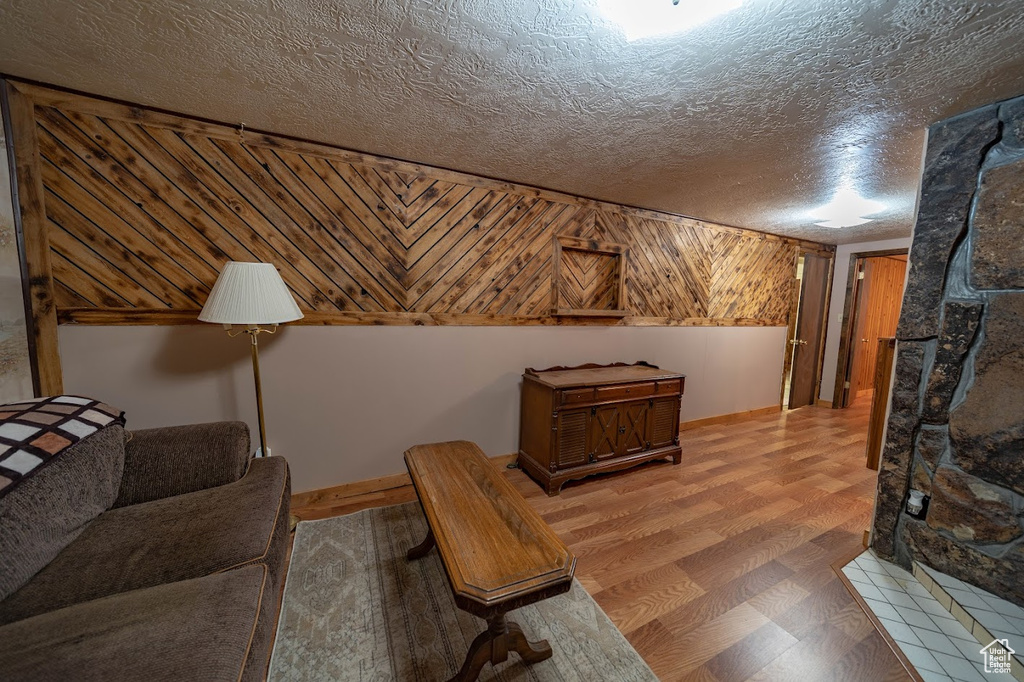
[{"x": 35, "y": 432}]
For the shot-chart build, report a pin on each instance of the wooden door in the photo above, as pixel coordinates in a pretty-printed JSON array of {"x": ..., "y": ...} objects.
[
  {"x": 877, "y": 312},
  {"x": 807, "y": 342},
  {"x": 862, "y": 324}
]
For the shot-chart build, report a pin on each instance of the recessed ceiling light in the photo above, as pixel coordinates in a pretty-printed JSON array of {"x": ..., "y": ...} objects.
[
  {"x": 641, "y": 19},
  {"x": 847, "y": 209}
]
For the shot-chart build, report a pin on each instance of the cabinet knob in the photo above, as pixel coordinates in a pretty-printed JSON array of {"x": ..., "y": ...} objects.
[{"x": 622, "y": 429}]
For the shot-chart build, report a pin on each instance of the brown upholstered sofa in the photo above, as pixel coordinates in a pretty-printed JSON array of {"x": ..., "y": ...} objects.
[{"x": 148, "y": 555}]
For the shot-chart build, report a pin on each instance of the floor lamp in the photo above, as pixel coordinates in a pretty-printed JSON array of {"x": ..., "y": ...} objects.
[{"x": 255, "y": 298}]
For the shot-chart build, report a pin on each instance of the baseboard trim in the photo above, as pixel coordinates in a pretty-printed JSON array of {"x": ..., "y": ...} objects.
[
  {"x": 336, "y": 493},
  {"x": 729, "y": 418}
]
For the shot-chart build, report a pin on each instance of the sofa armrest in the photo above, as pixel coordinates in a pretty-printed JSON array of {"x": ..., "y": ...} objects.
[{"x": 175, "y": 460}]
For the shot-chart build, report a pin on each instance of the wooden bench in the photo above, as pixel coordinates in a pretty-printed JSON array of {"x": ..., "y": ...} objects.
[{"x": 497, "y": 552}]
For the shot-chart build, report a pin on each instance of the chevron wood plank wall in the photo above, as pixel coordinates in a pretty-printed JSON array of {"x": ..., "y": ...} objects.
[
  {"x": 588, "y": 281},
  {"x": 136, "y": 211}
]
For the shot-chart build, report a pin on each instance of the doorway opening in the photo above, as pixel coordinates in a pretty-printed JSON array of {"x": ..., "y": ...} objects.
[
  {"x": 874, "y": 295},
  {"x": 805, "y": 344}
]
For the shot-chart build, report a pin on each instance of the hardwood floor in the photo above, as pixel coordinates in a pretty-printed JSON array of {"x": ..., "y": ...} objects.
[{"x": 719, "y": 569}]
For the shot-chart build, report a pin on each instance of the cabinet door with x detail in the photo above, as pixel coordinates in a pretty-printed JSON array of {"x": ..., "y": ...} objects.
[
  {"x": 616, "y": 430},
  {"x": 604, "y": 432},
  {"x": 632, "y": 428}
]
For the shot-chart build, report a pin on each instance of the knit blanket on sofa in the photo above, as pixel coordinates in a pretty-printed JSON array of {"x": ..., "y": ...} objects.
[{"x": 34, "y": 433}]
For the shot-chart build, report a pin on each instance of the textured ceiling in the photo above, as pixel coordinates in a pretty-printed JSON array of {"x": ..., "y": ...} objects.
[{"x": 749, "y": 120}]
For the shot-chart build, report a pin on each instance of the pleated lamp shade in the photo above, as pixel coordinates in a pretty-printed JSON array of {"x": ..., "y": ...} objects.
[{"x": 250, "y": 293}]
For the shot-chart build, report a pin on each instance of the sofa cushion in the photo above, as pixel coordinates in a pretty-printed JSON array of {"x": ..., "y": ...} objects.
[
  {"x": 48, "y": 510},
  {"x": 176, "y": 538},
  {"x": 174, "y": 460},
  {"x": 199, "y": 629}
]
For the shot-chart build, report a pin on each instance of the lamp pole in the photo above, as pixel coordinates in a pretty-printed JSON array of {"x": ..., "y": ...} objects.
[{"x": 259, "y": 389}]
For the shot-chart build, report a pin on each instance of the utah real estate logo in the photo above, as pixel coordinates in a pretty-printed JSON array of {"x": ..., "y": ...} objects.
[{"x": 997, "y": 656}]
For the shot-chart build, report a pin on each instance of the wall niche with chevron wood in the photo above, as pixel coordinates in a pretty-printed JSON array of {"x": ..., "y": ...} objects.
[
  {"x": 130, "y": 213},
  {"x": 589, "y": 278}
]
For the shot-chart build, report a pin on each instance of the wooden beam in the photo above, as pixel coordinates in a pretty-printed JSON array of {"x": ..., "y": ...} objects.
[
  {"x": 118, "y": 317},
  {"x": 586, "y": 312},
  {"x": 48, "y": 376}
]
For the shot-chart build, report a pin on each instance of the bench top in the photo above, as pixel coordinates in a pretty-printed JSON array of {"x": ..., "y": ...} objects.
[
  {"x": 495, "y": 548},
  {"x": 599, "y": 376}
]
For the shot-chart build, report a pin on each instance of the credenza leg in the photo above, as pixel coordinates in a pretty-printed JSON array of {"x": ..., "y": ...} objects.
[
  {"x": 420, "y": 550},
  {"x": 493, "y": 645}
]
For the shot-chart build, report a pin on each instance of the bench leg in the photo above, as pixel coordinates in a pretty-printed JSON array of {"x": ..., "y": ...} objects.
[
  {"x": 420, "y": 550},
  {"x": 492, "y": 646},
  {"x": 530, "y": 652}
]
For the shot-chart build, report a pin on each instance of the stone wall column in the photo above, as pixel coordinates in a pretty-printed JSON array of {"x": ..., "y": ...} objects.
[{"x": 956, "y": 423}]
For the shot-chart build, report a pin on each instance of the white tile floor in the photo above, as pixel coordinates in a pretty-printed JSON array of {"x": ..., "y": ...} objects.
[
  {"x": 1003, "y": 619},
  {"x": 933, "y": 640}
]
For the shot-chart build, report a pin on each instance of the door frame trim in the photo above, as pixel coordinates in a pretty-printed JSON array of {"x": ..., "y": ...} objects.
[{"x": 846, "y": 331}]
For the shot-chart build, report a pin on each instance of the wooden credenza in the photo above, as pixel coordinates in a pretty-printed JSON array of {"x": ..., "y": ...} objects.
[{"x": 578, "y": 421}]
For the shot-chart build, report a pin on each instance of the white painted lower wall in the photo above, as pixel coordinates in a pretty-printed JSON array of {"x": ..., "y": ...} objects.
[
  {"x": 838, "y": 299},
  {"x": 343, "y": 403}
]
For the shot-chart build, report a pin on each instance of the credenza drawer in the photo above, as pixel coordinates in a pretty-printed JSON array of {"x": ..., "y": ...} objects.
[
  {"x": 577, "y": 395},
  {"x": 625, "y": 391},
  {"x": 670, "y": 387}
]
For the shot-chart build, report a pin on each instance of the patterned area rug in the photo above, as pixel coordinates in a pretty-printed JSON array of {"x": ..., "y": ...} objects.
[{"x": 355, "y": 609}]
